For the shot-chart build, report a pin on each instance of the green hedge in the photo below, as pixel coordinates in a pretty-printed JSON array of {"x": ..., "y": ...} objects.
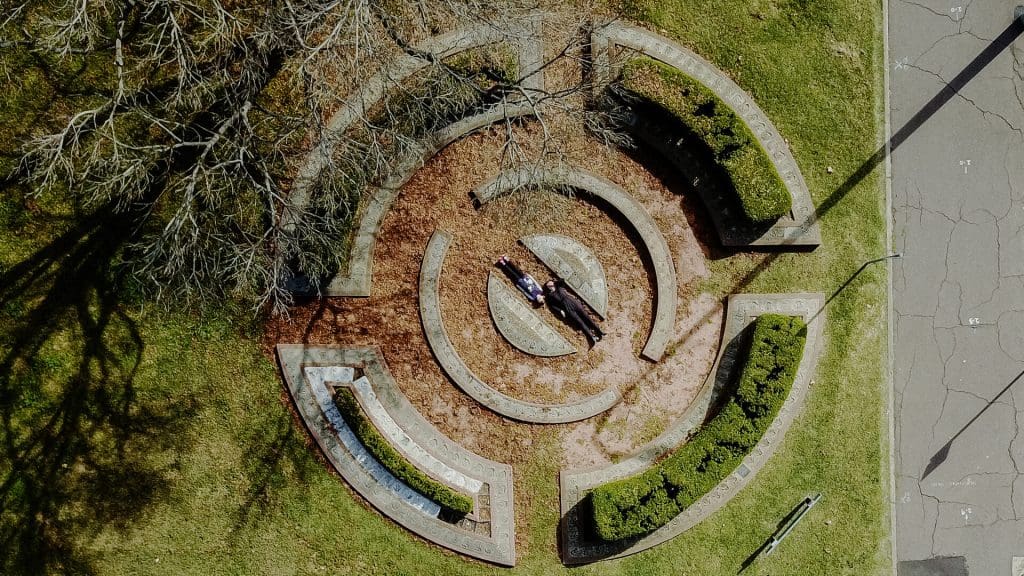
[
  {"x": 640, "y": 504},
  {"x": 761, "y": 192},
  {"x": 393, "y": 460}
]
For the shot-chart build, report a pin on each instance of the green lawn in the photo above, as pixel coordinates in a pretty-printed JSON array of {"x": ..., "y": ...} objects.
[{"x": 136, "y": 440}]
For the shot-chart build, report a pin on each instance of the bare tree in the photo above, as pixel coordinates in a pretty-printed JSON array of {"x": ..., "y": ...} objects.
[{"x": 209, "y": 106}]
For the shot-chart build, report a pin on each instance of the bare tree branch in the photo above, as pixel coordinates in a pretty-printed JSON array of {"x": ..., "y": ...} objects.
[{"x": 205, "y": 108}]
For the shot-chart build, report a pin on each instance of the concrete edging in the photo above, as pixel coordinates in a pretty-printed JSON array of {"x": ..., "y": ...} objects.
[
  {"x": 889, "y": 242},
  {"x": 800, "y": 229},
  {"x": 520, "y": 325},
  {"x": 464, "y": 378},
  {"x": 438, "y": 47},
  {"x": 575, "y": 264},
  {"x": 357, "y": 280},
  {"x": 493, "y": 539},
  {"x": 657, "y": 248}
]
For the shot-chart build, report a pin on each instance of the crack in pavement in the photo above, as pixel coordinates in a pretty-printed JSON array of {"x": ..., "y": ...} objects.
[
  {"x": 984, "y": 113},
  {"x": 931, "y": 10}
]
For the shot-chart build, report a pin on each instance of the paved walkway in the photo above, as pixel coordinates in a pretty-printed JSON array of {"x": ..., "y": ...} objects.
[{"x": 958, "y": 292}]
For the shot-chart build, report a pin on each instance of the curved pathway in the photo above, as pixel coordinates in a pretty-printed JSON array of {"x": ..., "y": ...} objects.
[
  {"x": 451, "y": 362},
  {"x": 741, "y": 311},
  {"x": 487, "y": 533},
  {"x": 799, "y": 229},
  {"x": 658, "y": 252}
]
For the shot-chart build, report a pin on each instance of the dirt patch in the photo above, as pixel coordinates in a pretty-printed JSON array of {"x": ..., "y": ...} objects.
[{"x": 659, "y": 395}]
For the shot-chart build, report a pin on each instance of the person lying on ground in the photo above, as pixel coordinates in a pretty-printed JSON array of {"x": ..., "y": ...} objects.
[
  {"x": 569, "y": 308},
  {"x": 523, "y": 281}
]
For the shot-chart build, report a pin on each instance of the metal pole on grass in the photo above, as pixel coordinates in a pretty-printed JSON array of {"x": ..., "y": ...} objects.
[
  {"x": 800, "y": 510},
  {"x": 789, "y": 522}
]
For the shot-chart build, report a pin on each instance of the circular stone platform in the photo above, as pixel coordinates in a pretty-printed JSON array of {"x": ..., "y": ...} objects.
[
  {"x": 575, "y": 264},
  {"x": 655, "y": 247},
  {"x": 453, "y": 365},
  {"x": 520, "y": 324}
]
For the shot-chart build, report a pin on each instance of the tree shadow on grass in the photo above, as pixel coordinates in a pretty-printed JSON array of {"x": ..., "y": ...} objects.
[
  {"x": 80, "y": 451},
  {"x": 277, "y": 455}
]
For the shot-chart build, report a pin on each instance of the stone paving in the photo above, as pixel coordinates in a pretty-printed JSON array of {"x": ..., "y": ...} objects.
[
  {"x": 800, "y": 228},
  {"x": 657, "y": 251},
  {"x": 741, "y": 311},
  {"x": 487, "y": 534},
  {"x": 464, "y": 378},
  {"x": 520, "y": 324},
  {"x": 575, "y": 264}
]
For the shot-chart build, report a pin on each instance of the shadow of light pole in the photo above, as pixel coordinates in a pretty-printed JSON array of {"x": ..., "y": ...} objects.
[
  {"x": 939, "y": 457},
  {"x": 951, "y": 89}
]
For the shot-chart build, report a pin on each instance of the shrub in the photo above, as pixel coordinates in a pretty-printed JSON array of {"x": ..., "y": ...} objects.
[
  {"x": 759, "y": 189},
  {"x": 391, "y": 459},
  {"x": 487, "y": 65},
  {"x": 637, "y": 503},
  {"x": 640, "y": 504}
]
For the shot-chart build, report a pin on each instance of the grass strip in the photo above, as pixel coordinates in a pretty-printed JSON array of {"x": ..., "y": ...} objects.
[
  {"x": 640, "y": 504},
  {"x": 703, "y": 116},
  {"x": 393, "y": 460}
]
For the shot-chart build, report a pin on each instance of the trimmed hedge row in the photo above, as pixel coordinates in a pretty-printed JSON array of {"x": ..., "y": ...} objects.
[
  {"x": 643, "y": 503},
  {"x": 761, "y": 193},
  {"x": 393, "y": 460}
]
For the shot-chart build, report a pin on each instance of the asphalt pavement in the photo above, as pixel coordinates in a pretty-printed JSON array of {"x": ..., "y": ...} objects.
[{"x": 957, "y": 118}]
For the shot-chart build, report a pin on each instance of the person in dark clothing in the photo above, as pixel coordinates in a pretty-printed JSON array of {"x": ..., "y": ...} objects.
[
  {"x": 523, "y": 281},
  {"x": 571, "y": 310}
]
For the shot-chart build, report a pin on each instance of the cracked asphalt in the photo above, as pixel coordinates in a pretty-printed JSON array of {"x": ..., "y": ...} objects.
[{"x": 958, "y": 292}]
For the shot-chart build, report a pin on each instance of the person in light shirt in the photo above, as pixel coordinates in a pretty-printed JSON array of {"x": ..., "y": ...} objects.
[{"x": 523, "y": 281}]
